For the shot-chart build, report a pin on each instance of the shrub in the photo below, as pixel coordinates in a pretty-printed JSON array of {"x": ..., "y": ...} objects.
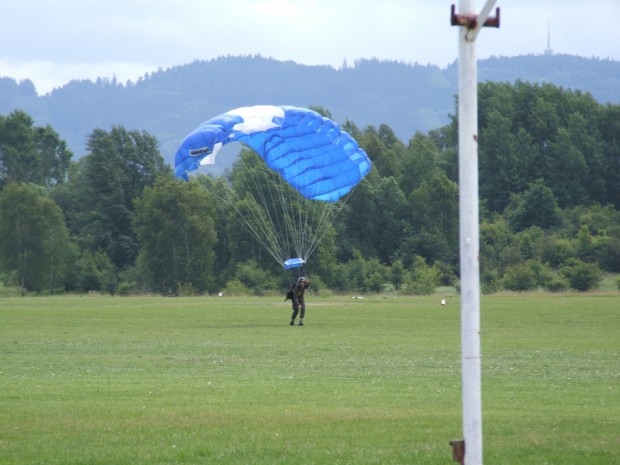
[
  {"x": 519, "y": 277},
  {"x": 237, "y": 288},
  {"x": 582, "y": 276},
  {"x": 423, "y": 280},
  {"x": 256, "y": 280},
  {"x": 608, "y": 254},
  {"x": 489, "y": 281},
  {"x": 126, "y": 288},
  {"x": 557, "y": 283},
  {"x": 186, "y": 290}
]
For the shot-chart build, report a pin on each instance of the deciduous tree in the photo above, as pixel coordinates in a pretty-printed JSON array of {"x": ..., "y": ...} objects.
[
  {"x": 34, "y": 243},
  {"x": 175, "y": 226}
]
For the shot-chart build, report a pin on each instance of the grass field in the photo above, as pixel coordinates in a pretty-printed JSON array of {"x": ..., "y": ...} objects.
[{"x": 148, "y": 380}]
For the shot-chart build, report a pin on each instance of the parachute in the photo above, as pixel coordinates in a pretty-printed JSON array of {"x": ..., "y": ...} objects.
[{"x": 320, "y": 164}]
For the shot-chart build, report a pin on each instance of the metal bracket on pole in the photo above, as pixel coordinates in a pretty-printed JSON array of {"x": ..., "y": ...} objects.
[
  {"x": 458, "y": 451},
  {"x": 473, "y": 22}
]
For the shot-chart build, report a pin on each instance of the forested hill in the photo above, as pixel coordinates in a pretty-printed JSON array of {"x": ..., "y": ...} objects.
[{"x": 170, "y": 103}]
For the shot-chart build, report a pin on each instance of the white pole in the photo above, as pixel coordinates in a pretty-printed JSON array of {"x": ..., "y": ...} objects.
[{"x": 469, "y": 234}]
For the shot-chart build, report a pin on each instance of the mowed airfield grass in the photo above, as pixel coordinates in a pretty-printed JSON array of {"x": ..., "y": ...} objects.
[{"x": 153, "y": 380}]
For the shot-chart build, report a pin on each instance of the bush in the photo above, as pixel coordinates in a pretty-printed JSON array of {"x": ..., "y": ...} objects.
[
  {"x": 519, "y": 277},
  {"x": 557, "y": 251},
  {"x": 423, "y": 279},
  {"x": 236, "y": 288},
  {"x": 608, "y": 254},
  {"x": 582, "y": 276},
  {"x": 490, "y": 281},
  {"x": 375, "y": 282},
  {"x": 186, "y": 290},
  {"x": 256, "y": 280},
  {"x": 557, "y": 284},
  {"x": 126, "y": 288}
]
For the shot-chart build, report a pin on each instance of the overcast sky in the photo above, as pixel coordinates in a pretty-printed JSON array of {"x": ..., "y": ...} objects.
[{"x": 53, "y": 42}]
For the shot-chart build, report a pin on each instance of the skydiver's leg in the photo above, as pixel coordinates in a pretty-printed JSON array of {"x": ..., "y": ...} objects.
[
  {"x": 295, "y": 312},
  {"x": 302, "y": 314}
]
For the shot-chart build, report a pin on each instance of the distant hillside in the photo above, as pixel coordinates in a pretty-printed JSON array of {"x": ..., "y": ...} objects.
[{"x": 170, "y": 103}]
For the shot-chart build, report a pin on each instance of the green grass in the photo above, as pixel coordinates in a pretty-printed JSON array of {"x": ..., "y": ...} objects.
[{"x": 148, "y": 380}]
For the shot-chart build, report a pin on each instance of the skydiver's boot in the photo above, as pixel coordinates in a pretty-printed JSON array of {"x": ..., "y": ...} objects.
[
  {"x": 301, "y": 322},
  {"x": 292, "y": 322}
]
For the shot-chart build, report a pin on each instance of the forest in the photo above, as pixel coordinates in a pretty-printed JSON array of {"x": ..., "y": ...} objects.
[
  {"x": 117, "y": 221},
  {"x": 169, "y": 103}
]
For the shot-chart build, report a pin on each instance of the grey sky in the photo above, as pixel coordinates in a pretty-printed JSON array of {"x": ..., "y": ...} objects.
[{"x": 54, "y": 42}]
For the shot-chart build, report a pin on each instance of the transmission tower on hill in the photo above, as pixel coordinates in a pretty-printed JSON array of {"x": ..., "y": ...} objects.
[{"x": 548, "y": 50}]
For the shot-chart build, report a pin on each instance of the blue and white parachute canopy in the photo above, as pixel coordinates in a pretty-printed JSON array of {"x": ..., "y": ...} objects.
[{"x": 309, "y": 151}]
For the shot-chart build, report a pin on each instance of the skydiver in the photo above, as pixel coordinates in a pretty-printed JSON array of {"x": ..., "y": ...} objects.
[{"x": 299, "y": 303}]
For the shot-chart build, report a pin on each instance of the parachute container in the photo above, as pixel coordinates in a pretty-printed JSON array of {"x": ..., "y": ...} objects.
[{"x": 293, "y": 263}]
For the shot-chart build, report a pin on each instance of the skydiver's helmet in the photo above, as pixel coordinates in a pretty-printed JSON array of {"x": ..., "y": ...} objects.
[{"x": 303, "y": 279}]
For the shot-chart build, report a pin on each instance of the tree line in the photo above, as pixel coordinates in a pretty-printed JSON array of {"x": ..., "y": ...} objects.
[{"x": 117, "y": 221}]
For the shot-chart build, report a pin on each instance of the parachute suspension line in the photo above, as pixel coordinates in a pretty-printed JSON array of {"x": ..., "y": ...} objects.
[
  {"x": 282, "y": 205},
  {"x": 275, "y": 197},
  {"x": 262, "y": 229},
  {"x": 292, "y": 212},
  {"x": 294, "y": 220},
  {"x": 259, "y": 232},
  {"x": 312, "y": 221},
  {"x": 306, "y": 223},
  {"x": 328, "y": 218},
  {"x": 315, "y": 225},
  {"x": 274, "y": 241},
  {"x": 295, "y": 224},
  {"x": 279, "y": 205}
]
